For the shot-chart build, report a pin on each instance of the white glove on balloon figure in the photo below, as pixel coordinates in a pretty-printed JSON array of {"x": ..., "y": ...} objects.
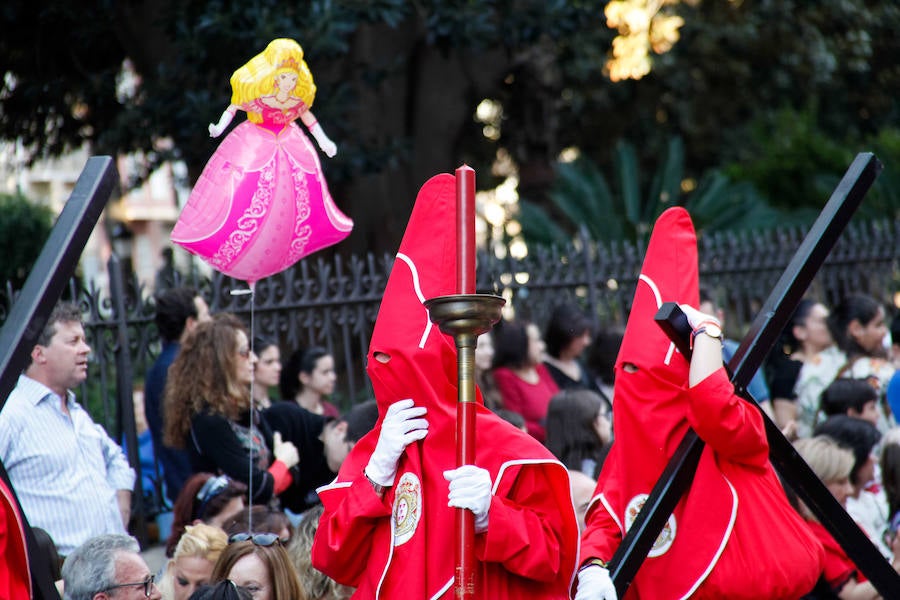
[
  {"x": 594, "y": 583},
  {"x": 402, "y": 426},
  {"x": 470, "y": 487},
  {"x": 216, "y": 129},
  {"x": 325, "y": 143}
]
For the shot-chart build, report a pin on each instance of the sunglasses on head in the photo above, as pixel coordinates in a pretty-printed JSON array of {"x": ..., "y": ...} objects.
[
  {"x": 212, "y": 488},
  {"x": 258, "y": 539}
]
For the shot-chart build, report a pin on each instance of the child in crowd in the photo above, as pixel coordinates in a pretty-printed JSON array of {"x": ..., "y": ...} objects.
[{"x": 851, "y": 397}]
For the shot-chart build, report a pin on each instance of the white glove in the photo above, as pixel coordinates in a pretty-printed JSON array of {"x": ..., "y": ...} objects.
[
  {"x": 594, "y": 583},
  {"x": 401, "y": 427},
  {"x": 470, "y": 487},
  {"x": 325, "y": 143},
  {"x": 286, "y": 452},
  {"x": 216, "y": 129},
  {"x": 695, "y": 317}
]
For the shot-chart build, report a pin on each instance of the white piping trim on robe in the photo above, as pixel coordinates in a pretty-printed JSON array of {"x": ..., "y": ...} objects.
[
  {"x": 658, "y": 297},
  {"x": 725, "y": 538},
  {"x": 443, "y": 590},
  {"x": 418, "y": 289},
  {"x": 734, "y": 506},
  {"x": 611, "y": 512}
]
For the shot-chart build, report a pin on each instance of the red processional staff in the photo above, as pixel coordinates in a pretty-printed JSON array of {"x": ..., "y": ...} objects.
[{"x": 465, "y": 316}]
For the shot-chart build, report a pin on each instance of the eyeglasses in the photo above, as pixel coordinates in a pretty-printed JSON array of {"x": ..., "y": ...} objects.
[
  {"x": 258, "y": 539},
  {"x": 147, "y": 583}
]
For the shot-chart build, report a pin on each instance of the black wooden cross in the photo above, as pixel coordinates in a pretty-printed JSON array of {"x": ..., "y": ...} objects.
[
  {"x": 764, "y": 332},
  {"x": 42, "y": 290}
]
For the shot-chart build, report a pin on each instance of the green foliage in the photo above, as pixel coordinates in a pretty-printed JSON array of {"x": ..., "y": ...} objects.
[
  {"x": 720, "y": 204},
  {"x": 24, "y": 227},
  {"x": 795, "y": 164},
  {"x": 883, "y": 201},
  {"x": 581, "y": 196},
  {"x": 399, "y": 82},
  {"x": 539, "y": 228}
]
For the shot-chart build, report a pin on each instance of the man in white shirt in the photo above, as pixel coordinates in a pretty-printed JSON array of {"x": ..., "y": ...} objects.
[{"x": 72, "y": 480}]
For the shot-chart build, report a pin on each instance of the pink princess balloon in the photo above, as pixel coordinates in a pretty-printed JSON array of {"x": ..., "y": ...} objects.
[{"x": 261, "y": 203}]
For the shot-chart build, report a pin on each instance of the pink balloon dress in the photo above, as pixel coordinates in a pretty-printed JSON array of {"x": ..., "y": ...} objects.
[{"x": 261, "y": 203}]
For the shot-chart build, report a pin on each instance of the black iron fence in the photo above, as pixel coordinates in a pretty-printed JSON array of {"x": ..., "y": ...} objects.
[{"x": 333, "y": 303}]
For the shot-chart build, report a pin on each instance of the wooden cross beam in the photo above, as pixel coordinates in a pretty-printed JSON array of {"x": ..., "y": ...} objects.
[
  {"x": 42, "y": 290},
  {"x": 764, "y": 332}
]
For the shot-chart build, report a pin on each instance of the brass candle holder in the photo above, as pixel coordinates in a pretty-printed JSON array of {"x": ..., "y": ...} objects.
[{"x": 465, "y": 317}]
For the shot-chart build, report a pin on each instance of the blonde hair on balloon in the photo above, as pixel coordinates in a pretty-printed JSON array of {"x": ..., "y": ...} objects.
[{"x": 256, "y": 78}]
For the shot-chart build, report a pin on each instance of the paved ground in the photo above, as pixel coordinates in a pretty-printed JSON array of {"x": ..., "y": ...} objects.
[{"x": 155, "y": 556}]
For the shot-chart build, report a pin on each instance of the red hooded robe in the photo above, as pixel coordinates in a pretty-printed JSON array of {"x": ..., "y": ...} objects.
[
  {"x": 401, "y": 545},
  {"x": 733, "y": 534},
  {"x": 15, "y": 574}
]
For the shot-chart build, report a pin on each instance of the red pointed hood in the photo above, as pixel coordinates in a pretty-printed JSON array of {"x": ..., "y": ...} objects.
[
  {"x": 650, "y": 415},
  {"x": 422, "y": 361},
  {"x": 410, "y": 552},
  {"x": 669, "y": 274}
]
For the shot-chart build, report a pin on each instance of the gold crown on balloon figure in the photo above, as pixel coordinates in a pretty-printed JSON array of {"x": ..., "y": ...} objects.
[{"x": 289, "y": 63}]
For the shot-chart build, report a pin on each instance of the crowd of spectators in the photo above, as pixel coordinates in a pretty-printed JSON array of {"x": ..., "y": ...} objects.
[{"x": 243, "y": 442}]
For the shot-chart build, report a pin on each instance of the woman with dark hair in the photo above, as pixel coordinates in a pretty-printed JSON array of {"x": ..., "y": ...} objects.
[
  {"x": 224, "y": 590},
  {"x": 266, "y": 372},
  {"x": 524, "y": 382},
  {"x": 208, "y": 409},
  {"x": 568, "y": 334},
  {"x": 260, "y": 563},
  {"x": 579, "y": 430},
  {"x": 205, "y": 498},
  {"x": 263, "y": 519},
  {"x": 858, "y": 327},
  {"x": 890, "y": 480},
  {"x": 601, "y": 358},
  {"x": 308, "y": 378},
  {"x": 484, "y": 378},
  {"x": 801, "y": 366}
]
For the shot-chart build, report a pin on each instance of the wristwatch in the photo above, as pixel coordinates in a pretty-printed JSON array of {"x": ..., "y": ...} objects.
[
  {"x": 710, "y": 328},
  {"x": 379, "y": 489}
]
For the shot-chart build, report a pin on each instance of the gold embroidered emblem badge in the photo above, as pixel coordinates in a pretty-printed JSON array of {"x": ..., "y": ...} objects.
[
  {"x": 666, "y": 536},
  {"x": 407, "y": 508}
]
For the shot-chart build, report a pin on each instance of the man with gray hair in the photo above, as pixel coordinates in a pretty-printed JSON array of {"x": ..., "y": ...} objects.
[
  {"x": 108, "y": 566},
  {"x": 72, "y": 480}
]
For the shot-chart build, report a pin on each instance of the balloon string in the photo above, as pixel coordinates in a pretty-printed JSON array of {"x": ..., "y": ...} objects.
[
  {"x": 252, "y": 415},
  {"x": 252, "y": 412}
]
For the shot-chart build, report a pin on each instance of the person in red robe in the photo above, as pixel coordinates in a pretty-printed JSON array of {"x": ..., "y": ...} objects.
[
  {"x": 388, "y": 522},
  {"x": 15, "y": 574},
  {"x": 733, "y": 534}
]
